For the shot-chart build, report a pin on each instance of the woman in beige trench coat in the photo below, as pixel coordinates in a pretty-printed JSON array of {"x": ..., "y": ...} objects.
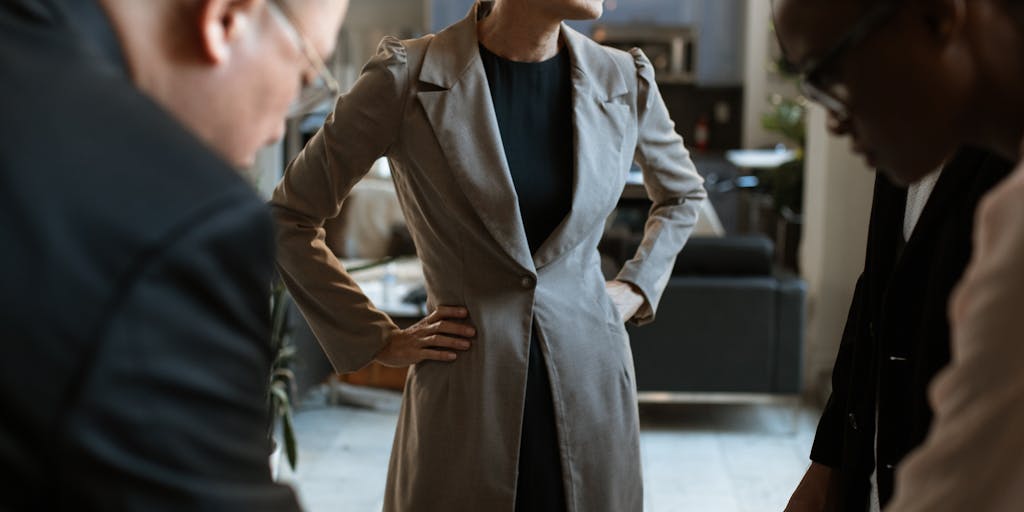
[{"x": 425, "y": 105}]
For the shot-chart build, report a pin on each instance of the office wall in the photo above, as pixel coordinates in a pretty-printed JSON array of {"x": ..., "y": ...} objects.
[
  {"x": 837, "y": 202},
  {"x": 367, "y": 22},
  {"x": 760, "y": 82},
  {"x": 720, "y": 23}
]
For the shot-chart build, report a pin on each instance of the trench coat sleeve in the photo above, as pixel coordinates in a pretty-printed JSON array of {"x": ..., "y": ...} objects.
[
  {"x": 828, "y": 439},
  {"x": 362, "y": 128},
  {"x": 972, "y": 459},
  {"x": 673, "y": 185}
]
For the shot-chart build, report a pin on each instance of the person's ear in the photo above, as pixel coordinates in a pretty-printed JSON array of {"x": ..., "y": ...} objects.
[
  {"x": 222, "y": 23},
  {"x": 944, "y": 18}
]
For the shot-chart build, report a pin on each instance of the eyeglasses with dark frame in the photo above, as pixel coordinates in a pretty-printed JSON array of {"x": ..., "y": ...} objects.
[
  {"x": 815, "y": 82},
  {"x": 325, "y": 87}
]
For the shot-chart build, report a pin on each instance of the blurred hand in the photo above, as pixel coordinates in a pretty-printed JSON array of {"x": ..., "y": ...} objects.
[
  {"x": 626, "y": 296},
  {"x": 816, "y": 492},
  {"x": 435, "y": 338}
]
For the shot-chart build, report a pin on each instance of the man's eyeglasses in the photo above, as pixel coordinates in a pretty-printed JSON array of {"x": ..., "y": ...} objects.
[
  {"x": 817, "y": 80},
  {"x": 325, "y": 87}
]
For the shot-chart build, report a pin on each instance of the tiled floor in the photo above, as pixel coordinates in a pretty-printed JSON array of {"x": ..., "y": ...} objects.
[{"x": 704, "y": 458}]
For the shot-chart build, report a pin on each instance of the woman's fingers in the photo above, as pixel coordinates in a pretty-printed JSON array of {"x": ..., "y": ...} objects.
[
  {"x": 445, "y": 312},
  {"x": 445, "y": 342},
  {"x": 435, "y": 338},
  {"x": 452, "y": 328},
  {"x": 437, "y": 355}
]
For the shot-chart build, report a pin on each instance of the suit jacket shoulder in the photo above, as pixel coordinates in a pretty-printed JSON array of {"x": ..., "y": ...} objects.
[{"x": 118, "y": 225}]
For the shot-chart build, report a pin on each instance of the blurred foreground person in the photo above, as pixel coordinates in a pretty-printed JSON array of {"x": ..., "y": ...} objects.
[
  {"x": 136, "y": 259},
  {"x": 897, "y": 333},
  {"x": 910, "y": 81}
]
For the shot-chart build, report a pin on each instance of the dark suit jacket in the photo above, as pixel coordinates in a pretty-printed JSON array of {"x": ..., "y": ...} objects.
[
  {"x": 134, "y": 305},
  {"x": 897, "y": 333}
]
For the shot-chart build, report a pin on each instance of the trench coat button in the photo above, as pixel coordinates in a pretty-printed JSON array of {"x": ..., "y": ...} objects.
[
  {"x": 528, "y": 282},
  {"x": 853, "y": 421}
]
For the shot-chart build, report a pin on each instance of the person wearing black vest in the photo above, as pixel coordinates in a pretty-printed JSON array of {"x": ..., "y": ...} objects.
[
  {"x": 910, "y": 82},
  {"x": 896, "y": 337}
]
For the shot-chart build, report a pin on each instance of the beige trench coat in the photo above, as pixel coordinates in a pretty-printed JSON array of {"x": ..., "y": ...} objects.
[{"x": 425, "y": 105}]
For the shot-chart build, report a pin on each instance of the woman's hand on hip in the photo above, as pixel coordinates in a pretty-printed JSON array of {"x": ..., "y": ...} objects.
[
  {"x": 435, "y": 338},
  {"x": 626, "y": 297}
]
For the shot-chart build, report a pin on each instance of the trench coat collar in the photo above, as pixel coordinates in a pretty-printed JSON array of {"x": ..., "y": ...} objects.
[{"x": 456, "y": 98}]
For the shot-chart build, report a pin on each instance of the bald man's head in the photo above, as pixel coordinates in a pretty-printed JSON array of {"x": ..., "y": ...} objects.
[{"x": 227, "y": 69}]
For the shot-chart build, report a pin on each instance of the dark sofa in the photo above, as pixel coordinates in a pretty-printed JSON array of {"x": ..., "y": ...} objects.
[{"x": 728, "y": 322}]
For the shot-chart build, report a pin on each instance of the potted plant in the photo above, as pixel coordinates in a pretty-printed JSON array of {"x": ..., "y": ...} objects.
[{"x": 282, "y": 380}]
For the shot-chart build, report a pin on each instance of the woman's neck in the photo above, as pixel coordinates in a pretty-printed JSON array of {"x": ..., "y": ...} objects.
[{"x": 519, "y": 34}]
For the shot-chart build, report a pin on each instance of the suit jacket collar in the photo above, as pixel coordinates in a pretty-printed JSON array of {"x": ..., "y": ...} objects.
[
  {"x": 958, "y": 177},
  {"x": 84, "y": 21},
  {"x": 458, "y": 103},
  {"x": 594, "y": 64},
  {"x": 94, "y": 27}
]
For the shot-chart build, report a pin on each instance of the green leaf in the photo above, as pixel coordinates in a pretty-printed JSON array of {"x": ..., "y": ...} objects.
[
  {"x": 290, "y": 446},
  {"x": 283, "y": 375},
  {"x": 279, "y": 392},
  {"x": 287, "y": 353},
  {"x": 281, "y": 380}
]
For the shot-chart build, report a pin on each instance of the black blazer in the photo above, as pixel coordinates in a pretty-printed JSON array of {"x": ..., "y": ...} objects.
[
  {"x": 897, "y": 333},
  {"x": 134, "y": 304}
]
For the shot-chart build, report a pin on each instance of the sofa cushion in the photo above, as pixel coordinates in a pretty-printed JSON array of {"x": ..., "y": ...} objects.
[
  {"x": 713, "y": 334},
  {"x": 726, "y": 256}
]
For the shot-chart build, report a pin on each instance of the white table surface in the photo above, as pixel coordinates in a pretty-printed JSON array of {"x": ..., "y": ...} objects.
[{"x": 387, "y": 284}]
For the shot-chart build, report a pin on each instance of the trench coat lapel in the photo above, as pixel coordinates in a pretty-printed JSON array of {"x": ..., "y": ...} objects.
[
  {"x": 599, "y": 117},
  {"x": 457, "y": 101}
]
